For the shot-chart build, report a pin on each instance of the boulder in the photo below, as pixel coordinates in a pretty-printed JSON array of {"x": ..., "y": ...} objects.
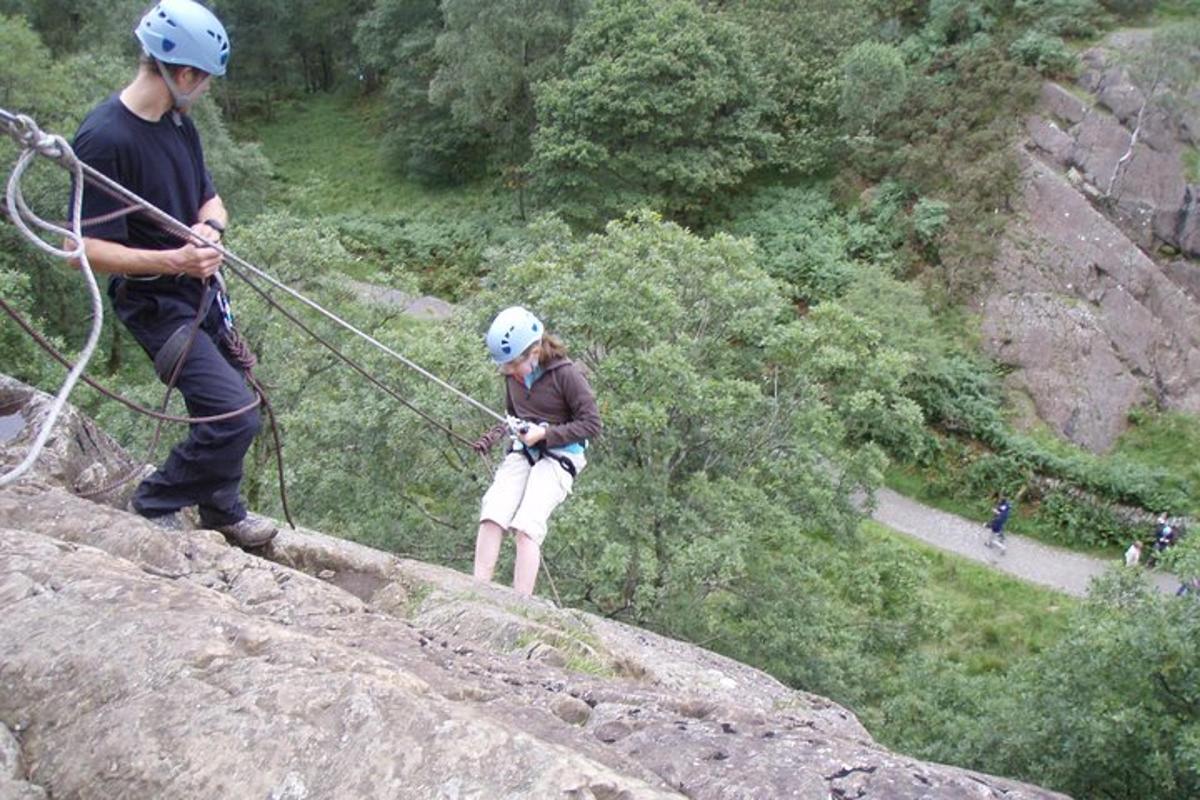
[
  {"x": 425, "y": 307},
  {"x": 141, "y": 664},
  {"x": 78, "y": 455}
]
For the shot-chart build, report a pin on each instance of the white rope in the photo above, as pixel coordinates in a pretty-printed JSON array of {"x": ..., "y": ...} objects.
[
  {"x": 34, "y": 143},
  {"x": 175, "y": 226}
]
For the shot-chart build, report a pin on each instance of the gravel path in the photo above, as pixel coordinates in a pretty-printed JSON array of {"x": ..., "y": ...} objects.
[{"x": 1028, "y": 559}]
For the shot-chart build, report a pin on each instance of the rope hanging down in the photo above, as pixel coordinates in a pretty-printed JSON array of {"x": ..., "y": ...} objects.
[{"x": 34, "y": 142}]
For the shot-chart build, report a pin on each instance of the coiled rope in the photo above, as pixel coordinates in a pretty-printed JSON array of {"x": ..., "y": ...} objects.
[{"x": 34, "y": 142}]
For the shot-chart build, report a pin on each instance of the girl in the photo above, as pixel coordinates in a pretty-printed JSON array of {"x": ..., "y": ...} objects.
[{"x": 557, "y": 410}]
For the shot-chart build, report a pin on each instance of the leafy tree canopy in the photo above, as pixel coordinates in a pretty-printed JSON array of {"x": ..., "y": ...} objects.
[{"x": 658, "y": 105}]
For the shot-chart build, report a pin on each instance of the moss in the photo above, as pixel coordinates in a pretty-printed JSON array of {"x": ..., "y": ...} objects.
[{"x": 1191, "y": 164}]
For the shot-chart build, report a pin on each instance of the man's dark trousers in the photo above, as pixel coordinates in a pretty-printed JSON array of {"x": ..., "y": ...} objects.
[{"x": 205, "y": 469}]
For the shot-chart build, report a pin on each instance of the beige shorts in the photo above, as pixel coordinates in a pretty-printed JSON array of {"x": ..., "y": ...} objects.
[{"x": 522, "y": 497}]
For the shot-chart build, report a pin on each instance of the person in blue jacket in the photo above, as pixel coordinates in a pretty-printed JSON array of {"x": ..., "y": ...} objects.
[
  {"x": 996, "y": 525},
  {"x": 143, "y": 139}
]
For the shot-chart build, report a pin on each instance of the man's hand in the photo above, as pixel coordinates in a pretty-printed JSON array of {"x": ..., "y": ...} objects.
[{"x": 196, "y": 262}]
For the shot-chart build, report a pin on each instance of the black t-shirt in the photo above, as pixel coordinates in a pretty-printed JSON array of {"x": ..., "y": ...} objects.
[{"x": 161, "y": 161}]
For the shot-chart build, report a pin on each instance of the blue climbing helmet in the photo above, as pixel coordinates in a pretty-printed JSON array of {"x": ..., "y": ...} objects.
[
  {"x": 186, "y": 33},
  {"x": 513, "y": 331}
]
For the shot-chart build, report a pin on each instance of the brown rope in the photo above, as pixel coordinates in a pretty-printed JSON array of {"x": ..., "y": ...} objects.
[
  {"x": 346, "y": 359},
  {"x": 130, "y": 404}
]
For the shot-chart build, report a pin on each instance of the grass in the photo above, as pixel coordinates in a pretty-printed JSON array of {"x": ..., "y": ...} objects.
[
  {"x": 1176, "y": 11},
  {"x": 911, "y": 482},
  {"x": 329, "y": 167},
  {"x": 993, "y": 620},
  {"x": 1169, "y": 441},
  {"x": 1191, "y": 164},
  {"x": 327, "y": 159}
]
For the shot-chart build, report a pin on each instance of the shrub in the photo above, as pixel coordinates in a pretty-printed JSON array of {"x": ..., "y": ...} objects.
[
  {"x": 1046, "y": 53},
  {"x": 1076, "y": 18},
  {"x": 1132, "y": 8},
  {"x": 802, "y": 240}
]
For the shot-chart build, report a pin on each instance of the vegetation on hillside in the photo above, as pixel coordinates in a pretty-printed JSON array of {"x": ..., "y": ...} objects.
[{"x": 751, "y": 221}]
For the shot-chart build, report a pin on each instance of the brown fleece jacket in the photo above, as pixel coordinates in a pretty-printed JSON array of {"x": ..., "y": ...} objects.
[{"x": 561, "y": 397}]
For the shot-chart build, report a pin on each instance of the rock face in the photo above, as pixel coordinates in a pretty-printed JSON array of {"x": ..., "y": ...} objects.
[
  {"x": 141, "y": 664},
  {"x": 1089, "y": 322}
]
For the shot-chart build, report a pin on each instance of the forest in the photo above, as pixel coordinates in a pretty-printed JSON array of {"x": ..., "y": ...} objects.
[{"x": 756, "y": 224}]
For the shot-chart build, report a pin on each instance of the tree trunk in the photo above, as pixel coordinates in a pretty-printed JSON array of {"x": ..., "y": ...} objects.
[{"x": 1137, "y": 129}]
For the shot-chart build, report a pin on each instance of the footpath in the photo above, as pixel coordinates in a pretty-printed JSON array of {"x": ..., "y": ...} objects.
[{"x": 1059, "y": 569}]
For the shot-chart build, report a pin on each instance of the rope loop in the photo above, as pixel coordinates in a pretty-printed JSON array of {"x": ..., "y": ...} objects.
[
  {"x": 35, "y": 142},
  {"x": 52, "y": 146}
]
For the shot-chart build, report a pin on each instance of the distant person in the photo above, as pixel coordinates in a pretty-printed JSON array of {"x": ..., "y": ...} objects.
[
  {"x": 547, "y": 392},
  {"x": 1164, "y": 537},
  {"x": 1133, "y": 555},
  {"x": 996, "y": 525},
  {"x": 1189, "y": 587}
]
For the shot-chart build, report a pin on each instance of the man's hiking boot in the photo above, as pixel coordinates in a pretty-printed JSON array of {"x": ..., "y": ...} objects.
[{"x": 252, "y": 531}]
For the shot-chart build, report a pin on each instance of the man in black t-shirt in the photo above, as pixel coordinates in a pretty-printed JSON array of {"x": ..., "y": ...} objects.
[{"x": 143, "y": 139}]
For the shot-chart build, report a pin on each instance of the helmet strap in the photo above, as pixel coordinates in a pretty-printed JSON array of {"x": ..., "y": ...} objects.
[{"x": 182, "y": 100}]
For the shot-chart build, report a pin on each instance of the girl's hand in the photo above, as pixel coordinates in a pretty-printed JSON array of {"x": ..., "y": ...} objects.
[{"x": 535, "y": 434}]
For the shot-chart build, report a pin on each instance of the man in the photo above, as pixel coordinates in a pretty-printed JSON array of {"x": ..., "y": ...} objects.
[
  {"x": 996, "y": 525},
  {"x": 143, "y": 139}
]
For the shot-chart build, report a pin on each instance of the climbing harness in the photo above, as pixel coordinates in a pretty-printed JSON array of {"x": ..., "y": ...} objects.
[
  {"x": 34, "y": 142},
  {"x": 534, "y": 454}
]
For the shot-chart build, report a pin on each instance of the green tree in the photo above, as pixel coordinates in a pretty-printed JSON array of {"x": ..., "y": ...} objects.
[
  {"x": 71, "y": 26},
  {"x": 874, "y": 85},
  {"x": 803, "y": 240},
  {"x": 259, "y": 73},
  {"x": 860, "y": 376},
  {"x": 658, "y": 105},
  {"x": 54, "y": 91},
  {"x": 489, "y": 56},
  {"x": 1078, "y": 18},
  {"x": 708, "y": 463},
  {"x": 421, "y": 140},
  {"x": 796, "y": 49},
  {"x": 1114, "y": 709}
]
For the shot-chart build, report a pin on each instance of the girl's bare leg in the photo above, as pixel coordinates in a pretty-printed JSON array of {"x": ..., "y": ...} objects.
[
  {"x": 487, "y": 549},
  {"x": 525, "y": 570}
]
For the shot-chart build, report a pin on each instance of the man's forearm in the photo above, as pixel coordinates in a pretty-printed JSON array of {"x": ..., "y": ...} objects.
[{"x": 111, "y": 257}]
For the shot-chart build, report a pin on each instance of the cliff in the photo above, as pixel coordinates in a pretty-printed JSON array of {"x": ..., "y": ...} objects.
[{"x": 1093, "y": 301}]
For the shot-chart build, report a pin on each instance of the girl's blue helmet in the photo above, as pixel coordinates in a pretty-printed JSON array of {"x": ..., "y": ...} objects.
[
  {"x": 513, "y": 331},
  {"x": 186, "y": 33}
]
